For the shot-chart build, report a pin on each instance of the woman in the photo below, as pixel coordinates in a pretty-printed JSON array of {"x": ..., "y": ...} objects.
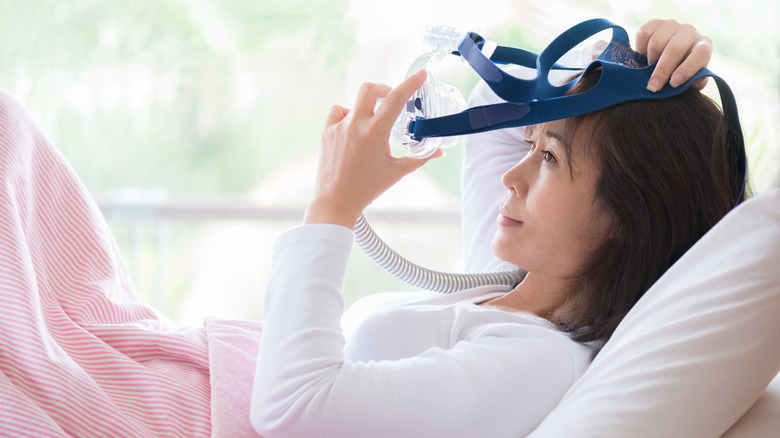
[
  {"x": 80, "y": 355},
  {"x": 599, "y": 208}
]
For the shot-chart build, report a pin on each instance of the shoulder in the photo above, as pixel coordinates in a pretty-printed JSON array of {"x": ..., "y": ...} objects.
[{"x": 530, "y": 340}]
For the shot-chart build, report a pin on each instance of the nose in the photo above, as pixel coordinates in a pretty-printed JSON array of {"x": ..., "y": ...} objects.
[{"x": 517, "y": 179}]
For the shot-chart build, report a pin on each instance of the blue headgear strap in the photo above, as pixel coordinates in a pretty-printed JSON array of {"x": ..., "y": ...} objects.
[{"x": 532, "y": 101}]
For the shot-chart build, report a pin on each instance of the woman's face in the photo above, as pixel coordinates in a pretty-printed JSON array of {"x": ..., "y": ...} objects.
[{"x": 550, "y": 221}]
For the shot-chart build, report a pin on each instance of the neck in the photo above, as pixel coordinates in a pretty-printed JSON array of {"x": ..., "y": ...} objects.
[{"x": 537, "y": 294}]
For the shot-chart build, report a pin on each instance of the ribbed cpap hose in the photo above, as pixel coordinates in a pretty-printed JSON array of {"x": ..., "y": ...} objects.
[{"x": 427, "y": 279}]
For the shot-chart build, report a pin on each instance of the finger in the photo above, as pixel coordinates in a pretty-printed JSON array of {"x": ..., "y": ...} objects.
[
  {"x": 659, "y": 39},
  {"x": 397, "y": 98},
  {"x": 335, "y": 115},
  {"x": 643, "y": 35},
  {"x": 675, "y": 51},
  {"x": 367, "y": 97},
  {"x": 698, "y": 58},
  {"x": 679, "y": 48}
]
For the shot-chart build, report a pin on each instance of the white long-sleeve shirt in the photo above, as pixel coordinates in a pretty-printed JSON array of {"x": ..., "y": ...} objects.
[{"x": 409, "y": 364}]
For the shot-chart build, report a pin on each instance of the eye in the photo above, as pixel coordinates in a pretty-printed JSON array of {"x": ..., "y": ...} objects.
[{"x": 548, "y": 157}]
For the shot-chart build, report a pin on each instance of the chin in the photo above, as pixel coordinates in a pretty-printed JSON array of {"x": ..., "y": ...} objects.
[{"x": 503, "y": 253}]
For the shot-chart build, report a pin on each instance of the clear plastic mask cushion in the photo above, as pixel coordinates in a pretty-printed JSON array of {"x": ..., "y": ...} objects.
[{"x": 433, "y": 99}]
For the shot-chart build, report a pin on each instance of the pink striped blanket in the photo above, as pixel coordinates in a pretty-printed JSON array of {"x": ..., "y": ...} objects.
[{"x": 79, "y": 354}]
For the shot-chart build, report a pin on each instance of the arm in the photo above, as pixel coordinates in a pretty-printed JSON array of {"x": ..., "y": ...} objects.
[{"x": 496, "y": 383}]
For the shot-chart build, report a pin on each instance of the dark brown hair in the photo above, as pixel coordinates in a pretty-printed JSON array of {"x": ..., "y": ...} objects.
[{"x": 665, "y": 181}]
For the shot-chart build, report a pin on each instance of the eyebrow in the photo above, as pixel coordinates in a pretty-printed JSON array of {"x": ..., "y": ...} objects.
[
  {"x": 564, "y": 154},
  {"x": 560, "y": 138}
]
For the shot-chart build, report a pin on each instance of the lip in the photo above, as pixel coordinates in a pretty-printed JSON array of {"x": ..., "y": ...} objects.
[{"x": 506, "y": 220}]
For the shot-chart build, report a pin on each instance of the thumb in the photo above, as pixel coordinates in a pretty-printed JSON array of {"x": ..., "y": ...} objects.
[{"x": 407, "y": 165}]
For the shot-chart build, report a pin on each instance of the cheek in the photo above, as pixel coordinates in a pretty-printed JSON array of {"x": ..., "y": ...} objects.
[
  {"x": 588, "y": 227},
  {"x": 556, "y": 238},
  {"x": 600, "y": 226}
]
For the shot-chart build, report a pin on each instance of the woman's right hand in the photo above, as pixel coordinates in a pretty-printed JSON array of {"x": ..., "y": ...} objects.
[
  {"x": 680, "y": 50},
  {"x": 356, "y": 165}
]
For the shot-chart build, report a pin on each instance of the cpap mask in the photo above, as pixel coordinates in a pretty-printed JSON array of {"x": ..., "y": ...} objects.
[
  {"x": 433, "y": 99},
  {"x": 436, "y": 115}
]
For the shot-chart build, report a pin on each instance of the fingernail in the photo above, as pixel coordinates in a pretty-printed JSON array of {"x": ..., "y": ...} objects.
[
  {"x": 654, "y": 85},
  {"x": 675, "y": 81}
]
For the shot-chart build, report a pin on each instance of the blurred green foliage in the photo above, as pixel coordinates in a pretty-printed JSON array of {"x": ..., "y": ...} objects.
[{"x": 191, "y": 96}]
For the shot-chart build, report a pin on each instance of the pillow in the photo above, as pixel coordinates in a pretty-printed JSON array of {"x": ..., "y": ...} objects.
[
  {"x": 698, "y": 349},
  {"x": 763, "y": 418}
]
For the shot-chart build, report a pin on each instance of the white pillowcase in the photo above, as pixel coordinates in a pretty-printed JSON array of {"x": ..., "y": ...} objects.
[{"x": 698, "y": 349}]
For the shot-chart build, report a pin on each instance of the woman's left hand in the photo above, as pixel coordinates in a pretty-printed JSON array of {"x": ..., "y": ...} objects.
[
  {"x": 680, "y": 50},
  {"x": 356, "y": 165}
]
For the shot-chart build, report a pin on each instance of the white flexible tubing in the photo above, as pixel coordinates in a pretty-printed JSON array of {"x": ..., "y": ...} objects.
[{"x": 427, "y": 279}]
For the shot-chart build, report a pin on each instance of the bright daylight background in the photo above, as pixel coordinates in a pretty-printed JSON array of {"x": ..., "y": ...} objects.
[{"x": 196, "y": 123}]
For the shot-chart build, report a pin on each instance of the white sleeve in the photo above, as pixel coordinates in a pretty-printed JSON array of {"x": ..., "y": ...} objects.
[{"x": 304, "y": 387}]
